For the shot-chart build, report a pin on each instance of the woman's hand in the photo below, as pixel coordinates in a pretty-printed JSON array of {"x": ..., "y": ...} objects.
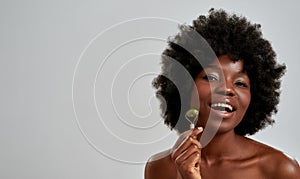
[{"x": 186, "y": 154}]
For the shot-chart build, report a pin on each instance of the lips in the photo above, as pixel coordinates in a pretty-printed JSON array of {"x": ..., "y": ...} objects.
[{"x": 222, "y": 107}]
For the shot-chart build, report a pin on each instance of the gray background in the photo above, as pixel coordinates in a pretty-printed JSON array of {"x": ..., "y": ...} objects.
[{"x": 40, "y": 46}]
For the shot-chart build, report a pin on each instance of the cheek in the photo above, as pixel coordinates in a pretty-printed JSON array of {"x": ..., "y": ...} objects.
[
  {"x": 203, "y": 88},
  {"x": 245, "y": 99},
  {"x": 200, "y": 93}
]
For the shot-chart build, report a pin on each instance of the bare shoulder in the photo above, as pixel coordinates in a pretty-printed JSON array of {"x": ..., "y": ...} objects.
[
  {"x": 285, "y": 167},
  {"x": 160, "y": 166},
  {"x": 275, "y": 163}
]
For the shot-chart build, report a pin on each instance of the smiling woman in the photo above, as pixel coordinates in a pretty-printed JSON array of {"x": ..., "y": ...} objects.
[
  {"x": 228, "y": 100},
  {"x": 240, "y": 87}
]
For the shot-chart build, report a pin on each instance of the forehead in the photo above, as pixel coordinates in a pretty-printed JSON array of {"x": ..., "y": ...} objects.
[{"x": 224, "y": 63}]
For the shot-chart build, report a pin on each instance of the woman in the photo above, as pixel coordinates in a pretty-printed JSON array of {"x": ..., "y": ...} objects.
[{"x": 240, "y": 87}]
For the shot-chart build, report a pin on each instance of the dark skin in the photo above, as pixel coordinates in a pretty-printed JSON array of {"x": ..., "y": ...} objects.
[{"x": 227, "y": 155}]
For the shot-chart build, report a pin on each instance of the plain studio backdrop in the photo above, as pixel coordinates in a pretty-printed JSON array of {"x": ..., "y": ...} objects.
[{"x": 76, "y": 97}]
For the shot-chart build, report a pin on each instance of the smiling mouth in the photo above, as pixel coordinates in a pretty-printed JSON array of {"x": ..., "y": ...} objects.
[{"x": 222, "y": 107}]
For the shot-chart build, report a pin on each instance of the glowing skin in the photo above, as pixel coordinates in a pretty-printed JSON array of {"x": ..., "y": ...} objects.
[{"x": 225, "y": 92}]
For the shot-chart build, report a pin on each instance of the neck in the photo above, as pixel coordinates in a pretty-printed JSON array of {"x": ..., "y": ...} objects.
[{"x": 221, "y": 147}]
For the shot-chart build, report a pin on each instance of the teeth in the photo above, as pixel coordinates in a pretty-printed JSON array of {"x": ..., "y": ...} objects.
[{"x": 222, "y": 105}]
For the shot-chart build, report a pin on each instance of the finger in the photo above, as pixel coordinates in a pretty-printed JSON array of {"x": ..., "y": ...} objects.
[
  {"x": 187, "y": 142},
  {"x": 193, "y": 134},
  {"x": 195, "y": 159},
  {"x": 187, "y": 153},
  {"x": 192, "y": 162},
  {"x": 196, "y": 132},
  {"x": 190, "y": 141},
  {"x": 191, "y": 166},
  {"x": 183, "y": 137}
]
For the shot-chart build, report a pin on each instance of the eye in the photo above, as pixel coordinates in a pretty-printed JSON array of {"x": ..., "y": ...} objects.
[
  {"x": 211, "y": 77},
  {"x": 241, "y": 83}
]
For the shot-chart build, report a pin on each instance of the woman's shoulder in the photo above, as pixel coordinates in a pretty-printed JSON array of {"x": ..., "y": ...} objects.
[
  {"x": 160, "y": 166},
  {"x": 280, "y": 165},
  {"x": 273, "y": 162}
]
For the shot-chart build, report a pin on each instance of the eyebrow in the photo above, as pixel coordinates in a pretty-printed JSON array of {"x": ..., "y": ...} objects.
[
  {"x": 218, "y": 67},
  {"x": 213, "y": 66}
]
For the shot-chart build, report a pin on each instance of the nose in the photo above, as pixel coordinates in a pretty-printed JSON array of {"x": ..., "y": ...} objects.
[
  {"x": 226, "y": 88},
  {"x": 229, "y": 90}
]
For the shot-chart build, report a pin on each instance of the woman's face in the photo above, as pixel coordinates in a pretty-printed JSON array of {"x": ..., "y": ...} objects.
[{"x": 224, "y": 93}]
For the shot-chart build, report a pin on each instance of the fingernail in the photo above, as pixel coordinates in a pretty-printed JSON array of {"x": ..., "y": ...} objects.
[{"x": 200, "y": 128}]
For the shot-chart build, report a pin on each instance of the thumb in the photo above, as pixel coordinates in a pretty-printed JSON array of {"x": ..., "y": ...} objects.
[{"x": 196, "y": 131}]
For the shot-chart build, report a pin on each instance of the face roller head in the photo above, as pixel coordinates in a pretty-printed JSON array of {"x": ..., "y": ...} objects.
[{"x": 191, "y": 115}]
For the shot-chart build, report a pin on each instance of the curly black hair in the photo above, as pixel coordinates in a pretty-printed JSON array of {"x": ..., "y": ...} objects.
[{"x": 226, "y": 34}]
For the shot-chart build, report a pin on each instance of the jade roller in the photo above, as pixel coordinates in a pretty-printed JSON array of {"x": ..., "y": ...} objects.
[{"x": 191, "y": 115}]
